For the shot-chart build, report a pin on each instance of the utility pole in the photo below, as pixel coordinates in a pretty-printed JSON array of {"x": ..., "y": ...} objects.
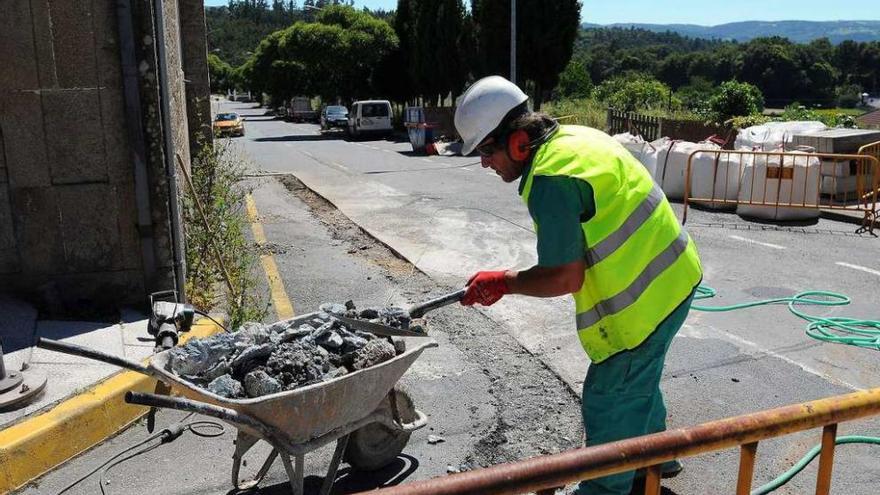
[{"x": 513, "y": 41}]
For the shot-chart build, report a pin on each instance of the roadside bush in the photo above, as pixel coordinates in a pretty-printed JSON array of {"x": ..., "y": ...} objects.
[
  {"x": 635, "y": 93},
  {"x": 218, "y": 253},
  {"x": 580, "y": 111},
  {"x": 849, "y": 96},
  {"x": 736, "y": 99}
]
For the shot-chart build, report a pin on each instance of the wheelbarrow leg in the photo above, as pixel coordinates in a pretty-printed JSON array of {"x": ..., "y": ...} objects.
[
  {"x": 295, "y": 475},
  {"x": 341, "y": 444},
  {"x": 243, "y": 443}
]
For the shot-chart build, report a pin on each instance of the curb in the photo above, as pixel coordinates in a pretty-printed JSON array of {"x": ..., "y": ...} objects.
[
  {"x": 32, "y": 447},
  {"x": 838, "y": 216}
]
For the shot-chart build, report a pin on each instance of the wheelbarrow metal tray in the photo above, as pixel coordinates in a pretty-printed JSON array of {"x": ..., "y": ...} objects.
[{"x": 306, "y": 413}]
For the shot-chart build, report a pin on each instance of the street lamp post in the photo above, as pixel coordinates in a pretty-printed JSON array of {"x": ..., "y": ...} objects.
[{"x": 513, "y": 41}]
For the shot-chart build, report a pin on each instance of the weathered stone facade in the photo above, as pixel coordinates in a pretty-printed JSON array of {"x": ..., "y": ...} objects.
[{"x": 70, "y": 229}]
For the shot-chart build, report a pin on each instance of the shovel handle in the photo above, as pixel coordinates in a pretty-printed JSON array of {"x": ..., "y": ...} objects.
[
  {"x": 78, "y": 350},
  {"x": 419, "y": 310}
]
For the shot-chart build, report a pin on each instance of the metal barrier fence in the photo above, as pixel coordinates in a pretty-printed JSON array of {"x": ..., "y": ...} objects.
[
  {"x": 545, "y": 474},
  {"x": 873, "y": 150},
  {"x": 785, "y": 182}
]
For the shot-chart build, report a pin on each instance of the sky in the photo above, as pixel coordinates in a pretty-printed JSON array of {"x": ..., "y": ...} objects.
[{"x": 699, "y": 11}]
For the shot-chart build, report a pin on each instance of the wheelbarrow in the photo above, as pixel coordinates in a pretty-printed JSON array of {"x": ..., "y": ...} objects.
[{"x": 370, "y": 420}]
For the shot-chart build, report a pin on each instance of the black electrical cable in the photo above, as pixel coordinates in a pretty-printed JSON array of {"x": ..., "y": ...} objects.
[
  {"x": 201, "y": 428},
  {"x": 206, "y": 315}
]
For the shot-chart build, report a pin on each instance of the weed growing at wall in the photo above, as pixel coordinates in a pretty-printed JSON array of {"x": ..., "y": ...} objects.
[{"x": 221, "y": 262}]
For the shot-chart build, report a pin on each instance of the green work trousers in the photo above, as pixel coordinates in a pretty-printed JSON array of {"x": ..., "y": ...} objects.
[{"x": 622, "y": 398}]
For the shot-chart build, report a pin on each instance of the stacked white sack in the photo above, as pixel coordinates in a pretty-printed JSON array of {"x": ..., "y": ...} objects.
[
  {"x": 763, "y": 181},
  {"x": 645, "y": 152},
  {"x": 774, "y": 136},
  {"x": 672, "y": 162}
]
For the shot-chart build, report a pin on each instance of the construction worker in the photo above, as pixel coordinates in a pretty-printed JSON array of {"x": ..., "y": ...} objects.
[{"x": 607, "y": 235}]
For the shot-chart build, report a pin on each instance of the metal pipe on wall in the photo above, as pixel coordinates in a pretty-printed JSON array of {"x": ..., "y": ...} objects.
[
  {"x": 170, "y": 169},
  {"x": 134, "y": 126}
]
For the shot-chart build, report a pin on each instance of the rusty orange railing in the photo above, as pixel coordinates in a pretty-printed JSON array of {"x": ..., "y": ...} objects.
[
  {"x": 818, "y": 181},
  {"x": 546, "y": 474}
]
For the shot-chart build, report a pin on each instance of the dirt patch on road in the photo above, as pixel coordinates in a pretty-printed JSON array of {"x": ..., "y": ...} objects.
[{"x": 535, "y": 411}]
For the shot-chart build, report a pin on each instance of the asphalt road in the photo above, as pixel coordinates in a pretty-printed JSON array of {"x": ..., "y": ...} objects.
[{"x": 449, "y": 217}]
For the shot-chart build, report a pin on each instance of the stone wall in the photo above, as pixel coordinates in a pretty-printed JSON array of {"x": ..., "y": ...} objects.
[{"x": 69, "y": 230}]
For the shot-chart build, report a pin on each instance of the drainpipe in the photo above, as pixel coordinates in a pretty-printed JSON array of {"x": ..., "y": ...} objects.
[
  {"x": 170, "y": 170},
  {"x": 134, "y": 126}
]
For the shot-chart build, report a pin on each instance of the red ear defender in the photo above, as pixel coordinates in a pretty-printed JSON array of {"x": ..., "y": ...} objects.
[{"x": 518, "y": 146}]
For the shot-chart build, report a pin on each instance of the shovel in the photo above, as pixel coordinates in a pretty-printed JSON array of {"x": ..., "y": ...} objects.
[{"x": 415, "y": 311}]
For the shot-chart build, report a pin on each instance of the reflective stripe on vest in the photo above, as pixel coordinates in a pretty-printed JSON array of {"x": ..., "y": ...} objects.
[
  {"x": 624, "y": 299},
  {"x": 640, "y": 263}
]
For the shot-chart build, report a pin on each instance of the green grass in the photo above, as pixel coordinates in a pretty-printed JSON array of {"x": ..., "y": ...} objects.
[
  {"x": 583, "y": 111},
  {"x": 854, "y": 112}
]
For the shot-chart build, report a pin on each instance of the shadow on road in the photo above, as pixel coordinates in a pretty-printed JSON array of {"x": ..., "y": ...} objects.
[
  {"x": 296, "y": 137},
  {"x": 349, "y": 480}
]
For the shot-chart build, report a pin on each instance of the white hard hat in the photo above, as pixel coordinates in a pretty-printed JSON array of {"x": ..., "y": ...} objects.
[{"x": 482, "y": 108}]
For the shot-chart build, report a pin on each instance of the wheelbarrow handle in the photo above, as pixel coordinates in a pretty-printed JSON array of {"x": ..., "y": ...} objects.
[
  {"x": 419, "y": 310},
  {"x": 78, "y": 350},
  {"x": 223, "y": 413}
]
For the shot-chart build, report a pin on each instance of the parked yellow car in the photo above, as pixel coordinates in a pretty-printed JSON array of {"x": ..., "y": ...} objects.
[{"x": 228, "y": 124}]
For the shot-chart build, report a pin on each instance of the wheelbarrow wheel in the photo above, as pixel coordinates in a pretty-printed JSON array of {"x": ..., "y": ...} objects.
[{"x": 376, "y": 445}]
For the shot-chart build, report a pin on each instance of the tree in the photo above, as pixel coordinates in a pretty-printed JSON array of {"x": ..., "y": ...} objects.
[
  {"x": 219, "y": 73},
  {"x": 736, "y": 99},
  {"x": 545, "y": 34},
  {"x": 574, "y": 82}
]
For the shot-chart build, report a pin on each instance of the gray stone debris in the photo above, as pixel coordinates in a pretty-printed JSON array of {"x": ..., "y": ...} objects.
[
  {"x": 257, "y": 383},
  {"x": 258, "y": 359},
  {"x": 435, "y": 439},
  {"x": 226, "y": 386}
]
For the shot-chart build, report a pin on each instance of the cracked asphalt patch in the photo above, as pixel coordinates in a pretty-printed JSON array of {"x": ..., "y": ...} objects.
[{"x": 535, "y": 411}]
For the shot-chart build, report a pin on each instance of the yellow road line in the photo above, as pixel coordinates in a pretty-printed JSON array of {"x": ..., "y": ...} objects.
[
  {"x": 283, "y": 306},
  {"x": 37, "y": 445}
]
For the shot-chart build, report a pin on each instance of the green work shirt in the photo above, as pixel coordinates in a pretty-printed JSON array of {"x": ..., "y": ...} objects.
[{"x": 559, "y": 205}]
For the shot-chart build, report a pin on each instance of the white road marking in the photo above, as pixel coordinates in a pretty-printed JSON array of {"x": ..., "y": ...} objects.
[
  {"x": 765, "y": 244},
  {"x": 859, "y": 268},
  {"x": 690, "y": 331},
  {"x": 340, "y": 166},
  {"x": 373, "y": 147},
  {"x": 426, "y": 160},
  {"x": 388, "y": 151}
]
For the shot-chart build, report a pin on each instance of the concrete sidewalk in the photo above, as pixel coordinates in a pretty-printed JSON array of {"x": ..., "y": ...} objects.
[{"x": 82, "y": 403}]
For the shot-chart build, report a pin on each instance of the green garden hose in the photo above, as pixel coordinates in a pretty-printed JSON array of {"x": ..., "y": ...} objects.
[{"x": 836, "y": 329}]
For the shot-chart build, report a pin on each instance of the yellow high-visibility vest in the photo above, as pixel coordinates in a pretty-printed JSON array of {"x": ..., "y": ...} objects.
[{"x": 640, "y": 263}]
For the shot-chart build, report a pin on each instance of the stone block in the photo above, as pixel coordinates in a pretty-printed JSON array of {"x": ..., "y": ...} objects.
[
  {"x": 7, "y": 234},
  {"x": 89, "y": 227},
  {"x": 120, "y": 165},
  {"x": 17, "y": 39},
  {"x": 129, "y": 240},
  {"x": 76, "y": 150},
  {"x": 24, "y": 142},
  {"x": 106, "y": 28},
  {"x": 37, "y": 229},
  {"x": 44, "y": 50},
  {"x": 73, "y": 43}
]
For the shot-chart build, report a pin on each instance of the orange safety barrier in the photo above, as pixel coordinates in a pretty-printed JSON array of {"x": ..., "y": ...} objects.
[
  {"x": 546, "y": 474},
  {"x": 786, "y": 181}
]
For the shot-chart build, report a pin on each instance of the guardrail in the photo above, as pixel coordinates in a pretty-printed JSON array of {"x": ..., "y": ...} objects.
[
  {"x": 786, "y": 181},
  {"x": 545, "y": 474}
]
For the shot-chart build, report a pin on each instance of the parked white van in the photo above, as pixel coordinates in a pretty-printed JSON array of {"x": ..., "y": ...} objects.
[{"x": 369, "y": 117}]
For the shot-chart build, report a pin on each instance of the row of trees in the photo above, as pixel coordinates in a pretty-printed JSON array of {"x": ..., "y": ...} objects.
[
  {"x": 817, "y": 73},
  {"x": 427, "y": 49}
]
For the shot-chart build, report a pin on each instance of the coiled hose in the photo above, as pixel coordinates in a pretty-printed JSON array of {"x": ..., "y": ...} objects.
[{"x": 835, "y": 329}]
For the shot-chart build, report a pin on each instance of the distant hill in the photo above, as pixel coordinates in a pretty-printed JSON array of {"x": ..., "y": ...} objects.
[{"x": 797, "y": 31}]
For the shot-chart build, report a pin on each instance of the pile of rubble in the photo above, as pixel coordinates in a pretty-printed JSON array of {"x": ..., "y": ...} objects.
[{"x": 259, "y": 359}]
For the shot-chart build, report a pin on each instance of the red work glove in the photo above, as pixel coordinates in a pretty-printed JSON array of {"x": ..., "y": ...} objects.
[{"x": 485, "y": 288}]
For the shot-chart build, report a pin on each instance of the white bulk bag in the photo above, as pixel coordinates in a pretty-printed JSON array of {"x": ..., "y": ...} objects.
[
  {"x": 718, "y": 180},
  {"x": 763, "y": 181},
  {"x": 672, "y": 162},
  {"x": 773, "y": 135},
  {"x": 644, "y": 152}
]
